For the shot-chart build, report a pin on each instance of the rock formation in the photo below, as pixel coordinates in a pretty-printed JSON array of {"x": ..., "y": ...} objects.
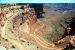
[{"x": 21, "y": 29}]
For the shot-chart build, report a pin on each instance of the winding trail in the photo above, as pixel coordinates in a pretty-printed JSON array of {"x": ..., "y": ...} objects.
[
  {"x": 42, "y": 42},
  {"x": 18, "y": 43},
  {"x": 4, "y": 33}
]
